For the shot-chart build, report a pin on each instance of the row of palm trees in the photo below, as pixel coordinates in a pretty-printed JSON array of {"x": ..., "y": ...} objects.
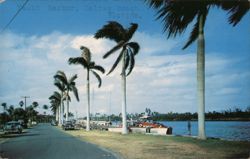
[
  {"x": 64, "y": 85},
  {"x": 176, "y": 16},
  {"x": 113, "y": 31}
]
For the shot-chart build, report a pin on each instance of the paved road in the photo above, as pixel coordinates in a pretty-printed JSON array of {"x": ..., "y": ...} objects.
[{"x": 47, "y": 142}]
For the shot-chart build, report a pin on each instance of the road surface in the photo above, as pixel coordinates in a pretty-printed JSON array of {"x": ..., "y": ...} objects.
[{"x": 47, "y": 142}]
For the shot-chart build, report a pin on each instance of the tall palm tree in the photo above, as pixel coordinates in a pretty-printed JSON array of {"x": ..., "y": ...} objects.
[
  {"x": 55, "y": 100},
  {"x": 4, "y": 105},
  {"x": 177, "y": 15},
  {"x": 115, "y": 31},
  {"x": 90, "y": 66},
  {"x": 70, "y": 85},
  {"x": 61, "y": 86}
]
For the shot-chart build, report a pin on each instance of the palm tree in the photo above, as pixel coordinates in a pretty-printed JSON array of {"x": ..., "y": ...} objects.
[
  {"x": 55, "y": 100},
  {"x": 177, "y": 15},
  {"x": 35, "y": 104},
  {"x": 90, "y": 66},
  {"x": 21, "y": 103},
  {"x": 70, "y": 85},
  {"x": 11, "y": 111},
  {"x": 61, "y": 86},
  {"x": 115, "y": 31},
  {"x": 45, "y": 107},
  {"x": 4, "y": 105}
]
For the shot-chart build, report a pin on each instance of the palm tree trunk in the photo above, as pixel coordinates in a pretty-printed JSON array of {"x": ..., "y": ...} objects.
[
  {"x": 88, "y": 98},
  {"x": 67, "y": 110},
  {"x": 59, "y": 117},
  {"x": 201, "y": 79},
  {"x": 62, "y": 110},
  {"x": 57, "y": 111},
  {"x": 124, "y": 105},
  {"x": 62, "y": 113}
]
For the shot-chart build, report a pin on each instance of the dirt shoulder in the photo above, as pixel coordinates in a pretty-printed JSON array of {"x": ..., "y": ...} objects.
[{"x": 138, "y": 146}]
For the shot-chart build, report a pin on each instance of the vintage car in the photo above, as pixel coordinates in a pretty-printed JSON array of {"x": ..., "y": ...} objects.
[
  {"x": 68, "y": 125},
  {"x": 13, "y": 127}
]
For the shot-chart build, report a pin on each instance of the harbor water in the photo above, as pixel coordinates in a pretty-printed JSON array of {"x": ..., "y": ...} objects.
[{"x": 229, "y": 130}]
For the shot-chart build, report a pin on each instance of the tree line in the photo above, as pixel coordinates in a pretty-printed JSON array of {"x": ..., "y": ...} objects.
[
  {"x": 27, "y": 114},
  {"x": 236, "y": 114}
]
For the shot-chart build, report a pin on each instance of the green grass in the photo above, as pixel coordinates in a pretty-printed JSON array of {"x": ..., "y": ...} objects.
[{"x": 136, "y": 146}]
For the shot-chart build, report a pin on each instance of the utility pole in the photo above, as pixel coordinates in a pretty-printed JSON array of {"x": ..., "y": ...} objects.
[
  {"x": 25, "y": 97},
  {"x": 93, "y": 98},
  {"x": 110, "y": 106}
]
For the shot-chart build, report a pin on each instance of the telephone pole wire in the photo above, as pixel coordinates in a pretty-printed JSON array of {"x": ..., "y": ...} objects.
[{"x": 11, "y": 20}]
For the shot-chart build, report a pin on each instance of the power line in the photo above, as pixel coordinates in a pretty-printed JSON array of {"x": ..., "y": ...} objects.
[{"x": 19, "y": 10}]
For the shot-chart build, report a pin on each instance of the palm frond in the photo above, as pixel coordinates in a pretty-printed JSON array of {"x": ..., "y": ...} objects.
[
  {"x": 86, "y": 54},
  {"x": 195, "y": 32},
  {"x": 130, "y": 31},
  {"x": 59, "y": 85},
  {"x": 155, "y": 3},
  {"x": 98, "y": 68},
  {"x": 75, "y": 91},
  {"x": 55, "y": 96},
  {"x": 113, "y": 31},
  {"x": 127, "y": 59},
  {"x": 193, "y": 36},
  {"x": 116, "y": 62},
  {"x": 134, "y": 46},
  {"x": 117, "y": 47},
  {"x": 236, "y": 9},
  {"x": 60, "y": 75},
  {"x": 71, "y": 80},
  {"x": 78, "y": 61},
  {"x": 176, "y": 15},
  {"x": 98, "y": 78},
  {"x": 132, "y": 64}
]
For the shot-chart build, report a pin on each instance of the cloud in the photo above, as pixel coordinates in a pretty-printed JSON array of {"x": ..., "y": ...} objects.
[{"x": 160, "y": 80}]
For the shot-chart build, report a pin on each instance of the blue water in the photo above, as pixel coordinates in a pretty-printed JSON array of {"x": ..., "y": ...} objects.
[{"x": 230, "y": 130}]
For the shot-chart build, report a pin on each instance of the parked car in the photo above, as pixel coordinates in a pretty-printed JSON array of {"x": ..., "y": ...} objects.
[
  {"x": 68, "y": 125},
  {"x": 13, "y": 127}
]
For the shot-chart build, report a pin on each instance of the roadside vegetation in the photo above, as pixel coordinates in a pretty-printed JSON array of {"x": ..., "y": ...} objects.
[
  {"x": 27, "y": 114},
  {"x": 135, "y": 146}
]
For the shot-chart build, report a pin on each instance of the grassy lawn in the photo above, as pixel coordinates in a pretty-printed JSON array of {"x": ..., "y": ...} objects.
[{"x": 139, "y": 146}]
